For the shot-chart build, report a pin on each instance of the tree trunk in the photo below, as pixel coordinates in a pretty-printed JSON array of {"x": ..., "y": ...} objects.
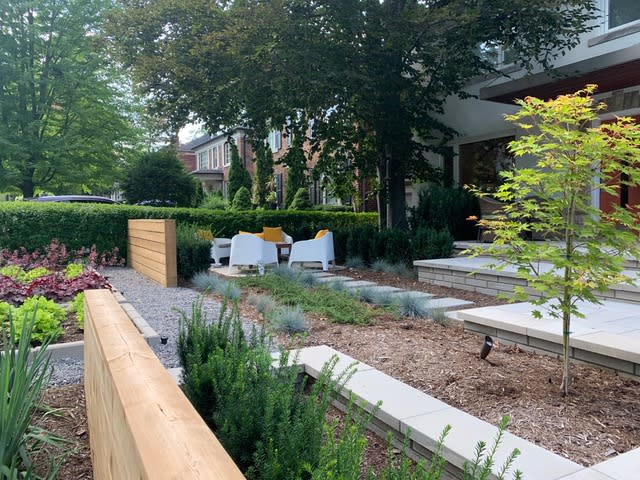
[
  {"x": 382, "y": 196},
  {"x": 397, "y": 196},
  {"x": 566, "y": 374},
  {"x": 27, "y": 185}
]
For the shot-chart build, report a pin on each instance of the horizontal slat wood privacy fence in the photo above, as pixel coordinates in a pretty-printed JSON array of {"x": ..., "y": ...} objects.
[
  {"x": 151, "y": 246},
  {"x": 141, "y": 426}
]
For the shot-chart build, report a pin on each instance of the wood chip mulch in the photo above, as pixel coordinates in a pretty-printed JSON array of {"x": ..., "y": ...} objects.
[{"x": 598, "y": 420}]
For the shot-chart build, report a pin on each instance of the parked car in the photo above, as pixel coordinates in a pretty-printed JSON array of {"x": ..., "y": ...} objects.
[
  {"x": 73, "y": 199},
  {"x": 157, "y": 203}
]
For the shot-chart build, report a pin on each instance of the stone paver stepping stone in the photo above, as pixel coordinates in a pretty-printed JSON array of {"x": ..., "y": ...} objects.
[
  {"x": 359, "y": 284},
  {"x": 384, "y": 288},
  {"x": 322, "y": 274},
  {"x": 448, "y": 303},
  {"x": 334, "y": 278},
  {"x": 416, "y": 294}
]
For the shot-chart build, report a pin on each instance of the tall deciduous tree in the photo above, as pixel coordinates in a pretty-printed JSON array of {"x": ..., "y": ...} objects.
[
  {"x": 573, "y": 160},
  {"x": 383, "y": 68},
  {"x": 61, "y": 123}
]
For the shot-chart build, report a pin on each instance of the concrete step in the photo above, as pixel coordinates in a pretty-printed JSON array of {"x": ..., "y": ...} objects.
[
  {"x": 474, "y": 274},
  {"x": 460, "y": 246}
]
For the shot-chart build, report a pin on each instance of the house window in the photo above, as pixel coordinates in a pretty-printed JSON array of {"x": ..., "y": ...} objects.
[
  {"x": 214, "y": 157},
  {"x": 482, "y": 162},
  {"x": 227, "y": 154},
  {"x": 275, "y": 140},
  {"x": 203, "y": 160},
  {"x": 496, "y": 54},
  {"x": 621, "y": 12}
]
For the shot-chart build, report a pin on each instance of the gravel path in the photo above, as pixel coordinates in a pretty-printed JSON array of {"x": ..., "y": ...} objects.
[{"x": 158, "y": 306}]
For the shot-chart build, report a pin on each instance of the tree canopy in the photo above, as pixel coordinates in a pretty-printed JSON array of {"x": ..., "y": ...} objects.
[
  {"x": 160, "y": 178},
  {"x": 62, "y": 124},
  {"x": 373, "y": 75}
]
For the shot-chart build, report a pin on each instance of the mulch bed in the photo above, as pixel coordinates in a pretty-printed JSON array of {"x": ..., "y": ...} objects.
[{"x": 598, "y": 420}]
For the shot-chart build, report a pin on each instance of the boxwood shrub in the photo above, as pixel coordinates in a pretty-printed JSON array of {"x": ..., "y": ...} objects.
[{"x": 192, "y": 252}]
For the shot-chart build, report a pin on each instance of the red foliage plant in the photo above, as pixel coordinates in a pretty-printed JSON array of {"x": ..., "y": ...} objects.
[
  {"x": 56, "y": 257},
  {"x": 55, "y": 286}
]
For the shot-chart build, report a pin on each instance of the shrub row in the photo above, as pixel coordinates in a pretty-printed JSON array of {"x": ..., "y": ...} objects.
[
  {"x": 394, "y": 246},
  {"x": 447, "y": 207},
  {"x": 33, "y": 225}
]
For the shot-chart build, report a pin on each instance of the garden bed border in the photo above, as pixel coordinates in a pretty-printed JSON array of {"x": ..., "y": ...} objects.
[
  {"x": 75, "y": 350},
  {"x": 405, "y": 409},
  {"x": 141, "y": 424}
]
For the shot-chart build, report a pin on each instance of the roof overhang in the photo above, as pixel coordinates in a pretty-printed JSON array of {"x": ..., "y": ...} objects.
[
  {"x": 610, "y": 71},
  {"x": 208, "y": 175}
]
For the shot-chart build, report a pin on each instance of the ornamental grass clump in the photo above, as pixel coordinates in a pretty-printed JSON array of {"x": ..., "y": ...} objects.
[
  {"x": 365, "y": 294},
  {"x": 337, "y": 285},
  {"x": 23, "y": 376},
  {"x": 307, "y": 279},
  {"x": 355, "y": 262},
  {"x": 205, "y": 281},
  {"x": 289, "y": 320},
  {"x": 285, "y": 271},
  {"x": 380, "y": 265},
  {"x": 263, "y": 303},
  {"x": 411, "y": 306},
  {"x": 439, "y": 316},
  {"x": 227, "y": 289},
  {"x": 383, "y": 298}
]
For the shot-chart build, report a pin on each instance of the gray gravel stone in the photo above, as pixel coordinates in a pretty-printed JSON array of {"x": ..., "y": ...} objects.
[{"x": 159, "y": 306}]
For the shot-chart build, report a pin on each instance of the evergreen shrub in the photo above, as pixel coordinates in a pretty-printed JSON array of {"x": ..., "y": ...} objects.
[
  {"x": 242, "y": 199},
  {"x": 301, "y": 200},
  {"x": 447, "y": 207},
  {"x": 269, "y": 422},
  {"x": 193, "y": 253},
  {"x": 431, "y": 243}
]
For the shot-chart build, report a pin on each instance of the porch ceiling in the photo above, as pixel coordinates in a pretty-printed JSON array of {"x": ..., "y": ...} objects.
[{"x": 611, "y": 71}]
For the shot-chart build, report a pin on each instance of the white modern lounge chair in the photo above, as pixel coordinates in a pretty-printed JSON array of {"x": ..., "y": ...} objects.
[
  {"x": 247, "y": 249},
  {"x": 316, "y": 250},
  {"x": 220, "y": 248}
]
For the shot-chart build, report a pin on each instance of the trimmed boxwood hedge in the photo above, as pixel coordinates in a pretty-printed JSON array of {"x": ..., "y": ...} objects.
[{"x": 33, "y": 225}]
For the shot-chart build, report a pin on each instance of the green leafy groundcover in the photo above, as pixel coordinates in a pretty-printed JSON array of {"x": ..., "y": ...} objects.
[
  {"x": 339, "y": 307},
  {"x": 33, "y": 284}
]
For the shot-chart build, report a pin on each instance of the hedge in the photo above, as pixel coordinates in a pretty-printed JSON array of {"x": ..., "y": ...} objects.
[{"x": 32, "y": 225}]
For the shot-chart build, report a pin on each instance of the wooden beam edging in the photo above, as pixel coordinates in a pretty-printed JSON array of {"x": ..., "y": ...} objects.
[
  {"x": 151, "y": 249},
  {"x": 405, "y": 409},
  {"x": 141, "y": 425}
]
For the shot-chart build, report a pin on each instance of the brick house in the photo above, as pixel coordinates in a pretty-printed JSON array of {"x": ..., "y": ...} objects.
[{"x": 608, "y": 55}]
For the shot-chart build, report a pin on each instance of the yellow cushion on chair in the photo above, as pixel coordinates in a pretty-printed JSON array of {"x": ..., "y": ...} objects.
[
  {"x": 321, "y": 233},
  {"x": 259, "y": 235},
  {"x": 205, "y": 234},
  {"x": 272, "y": 234}
]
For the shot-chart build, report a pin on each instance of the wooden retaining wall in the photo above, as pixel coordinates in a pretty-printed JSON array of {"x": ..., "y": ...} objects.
[
  {"x": 140, "y": 423},
  {"x": 151, "y": 248}
]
